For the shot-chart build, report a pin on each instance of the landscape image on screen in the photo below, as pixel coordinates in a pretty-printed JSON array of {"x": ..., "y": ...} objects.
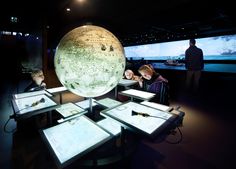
[{"x": 214, "y": 48}]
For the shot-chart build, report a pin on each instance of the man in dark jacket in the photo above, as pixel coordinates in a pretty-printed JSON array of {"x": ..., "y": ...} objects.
[{"x": 194, "y": 64}]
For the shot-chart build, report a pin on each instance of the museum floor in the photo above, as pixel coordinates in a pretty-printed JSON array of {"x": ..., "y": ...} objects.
[{"x": 208, "y": 132}]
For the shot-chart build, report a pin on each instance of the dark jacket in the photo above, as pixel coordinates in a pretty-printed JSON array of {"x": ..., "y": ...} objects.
[
  {"x": 159, "y": 87},
  {"x": 194, "y": 58},
  {"x": 34, "y": 87}
]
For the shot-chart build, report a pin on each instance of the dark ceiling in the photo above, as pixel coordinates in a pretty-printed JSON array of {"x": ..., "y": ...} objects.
[{"x": 132, "y": 21}]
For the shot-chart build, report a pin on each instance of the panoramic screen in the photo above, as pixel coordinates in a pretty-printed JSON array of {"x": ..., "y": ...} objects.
[{"x": 214, "y": 48}]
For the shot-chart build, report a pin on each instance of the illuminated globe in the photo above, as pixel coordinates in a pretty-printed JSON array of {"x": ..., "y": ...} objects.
[{"x": 89, "y": 61}]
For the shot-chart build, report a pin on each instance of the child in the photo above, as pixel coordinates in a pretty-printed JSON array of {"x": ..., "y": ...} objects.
[
  {"x": 153, "y": 82},
  {"x": 129, "y": 74},
  {"x": 37, "y": 81}
]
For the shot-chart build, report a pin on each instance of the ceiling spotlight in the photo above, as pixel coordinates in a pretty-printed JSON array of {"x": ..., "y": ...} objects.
[
  {"x": 14, "y": 19},
  {"x": 68, "y": 9}
]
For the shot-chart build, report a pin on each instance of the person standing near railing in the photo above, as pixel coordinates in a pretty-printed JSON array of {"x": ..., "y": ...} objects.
[{"x": 194, "y": 65}]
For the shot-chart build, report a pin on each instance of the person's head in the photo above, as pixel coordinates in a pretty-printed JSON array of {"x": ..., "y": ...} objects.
[
  {"x": 37, "y": 76},
  {"x": 129, "y": 74},
  {"x": 146, "y": 71},
  {"x": 192, "y": 42}
]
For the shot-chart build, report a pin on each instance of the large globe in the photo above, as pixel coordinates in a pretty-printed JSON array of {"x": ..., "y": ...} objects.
[{"x": 89, "y": 61}]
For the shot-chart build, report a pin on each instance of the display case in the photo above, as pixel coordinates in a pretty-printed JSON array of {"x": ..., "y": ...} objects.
[
  {"x": 140, "y": 118},
  {"x": 25, "y": 107},
  {"x": 71, "y": 140}
]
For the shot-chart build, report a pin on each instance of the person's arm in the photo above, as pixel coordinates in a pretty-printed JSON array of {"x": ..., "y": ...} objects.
[
  {"x": 140, "y": 82},
  {"x": 161, "y": 78},
  {"x": 186, "y": 59},
  {"x": 30, "y": 86},
  {"x": 43, "y": 85},
  {"x": 34, "y": 87},
  {"x": 143, "y": 84}
]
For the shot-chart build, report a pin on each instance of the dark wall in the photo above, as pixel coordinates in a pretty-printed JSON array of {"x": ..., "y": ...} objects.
[{"x": 19, "y": 53}]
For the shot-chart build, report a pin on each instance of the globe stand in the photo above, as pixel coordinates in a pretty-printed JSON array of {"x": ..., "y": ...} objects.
[{"x": 90, "y": 105}]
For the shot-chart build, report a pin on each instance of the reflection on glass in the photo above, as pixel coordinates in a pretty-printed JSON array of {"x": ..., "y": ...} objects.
[
  {"x": 156, "y": 105},
  {"x": 57, "y": 89},
  {"x": 69, "y": 109},
  {"x": 138, "y": 93},
  {"x": 126, "y": 82},
  {"x": 110, "y": 125}
]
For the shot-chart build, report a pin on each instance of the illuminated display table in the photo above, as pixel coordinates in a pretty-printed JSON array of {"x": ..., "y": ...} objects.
[
  {"x": 125, "y": 83},
  {"x": 149, "y": 126},
  {"x": 114, "y": 137},
  {"x": 70, "y": 140},
  {"x": 138, "y": 94},
  {"x": 25, "y": 107}
]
